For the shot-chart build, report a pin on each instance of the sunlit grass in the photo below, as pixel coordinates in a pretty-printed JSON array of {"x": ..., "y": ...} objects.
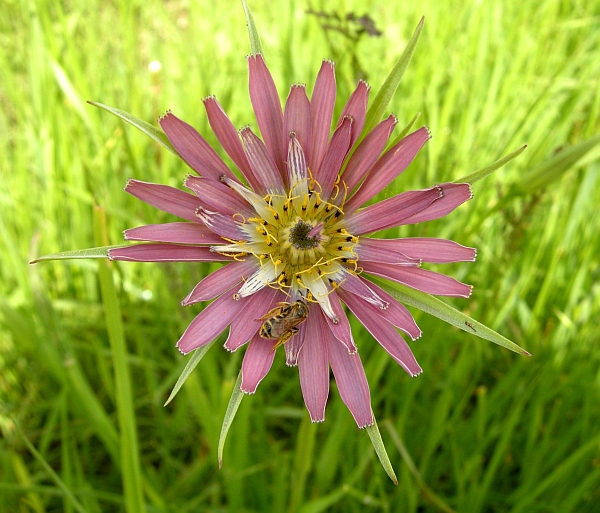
[{"x": 486, "y": 429}]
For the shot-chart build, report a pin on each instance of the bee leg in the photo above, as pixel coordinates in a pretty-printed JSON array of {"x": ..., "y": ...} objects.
[{"x": 285, "y": 337}]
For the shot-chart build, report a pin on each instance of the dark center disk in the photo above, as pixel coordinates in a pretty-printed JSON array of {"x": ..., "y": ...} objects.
[{"x": 299, "y": 236}]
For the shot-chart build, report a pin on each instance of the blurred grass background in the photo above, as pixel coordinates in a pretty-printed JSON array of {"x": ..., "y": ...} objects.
[{"x": 482, "y": 430}]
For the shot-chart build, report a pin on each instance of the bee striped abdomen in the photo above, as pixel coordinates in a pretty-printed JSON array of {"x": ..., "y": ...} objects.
[{"x": 281, "y": 322}]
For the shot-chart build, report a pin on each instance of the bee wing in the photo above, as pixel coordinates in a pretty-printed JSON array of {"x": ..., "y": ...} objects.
[
  {"x": 281, "y": 309},
  {"x": 268, "y": 315},
  {"x": 289, "y": 323}
]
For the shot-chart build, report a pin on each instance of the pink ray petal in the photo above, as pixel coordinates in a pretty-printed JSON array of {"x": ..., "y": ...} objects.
[
  {"x": 165, "y": 198},
  {"x": 340, "y": 329},
  {"x": 439, "y": 251},
  {"x": 351, "y": 381},
  {"x": 367, "y": 152},
  {"x": 210, "y": 322},
  {"x": 336, "y": 152},
  {"x": 354, "y": 284},
  {"x": 165, "y": 253},
  {"x": 192, "y": 147},
  {"x": 313, "y": 367},
  {"x": 321, "y": 112},
  {"x": 227, "y": 135},
  {"x": 217, "y": 196},
  {"x": 296, "y": 161},
  {"x": 263, "y": 166},
  {"x": 257, "y": 363},
  {"x": 294, "y": 346},
  {"x": 395, "y": 313},
  {"x": 391, "y": 212},
  {"x": 223, "y": 225},
  {"x": 385, "y": 334},
  {"x": 296, "y": 117},
  {"x": 420, "y": 279},
  {"x": 388, "y": 167},
  {"x": 356, "y": 108},
  {"x": 267, "y": 107},
  {"x": 367, "y": 249},
  {"x": 219, "y": 281},
  {"x": 454, "y": 195},
  {"x": 248, "y": 323},
  {"x": 177, "y": 233}
]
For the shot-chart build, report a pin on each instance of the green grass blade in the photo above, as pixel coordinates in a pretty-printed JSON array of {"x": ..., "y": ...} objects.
[
  {"x": 488, "y": 170},
  {"x": 53, "y": 475},
  {"x": 303, "y": 462},
  {"x": 388, "y": 89},
  {"x": 191, "y": 365},
  {"x": 425, "y": 490},
  {"x": 377, "y": 442},
  {"x": 255, "y": 43},
  {"x": 72, "y": 376},
  {"x": 553, "y": 168},
  {"x": 234, "y": 403},
  {"x": 100, "y": 252},
  {"x": 71, "y": 94},
  {"x": 130, "y": 458},
  {"x": 560, "y": 473},
  {"x": 156, "y": 134},
  {"x": 324, "y": 503},
  {"x": 445, "y": 312}
]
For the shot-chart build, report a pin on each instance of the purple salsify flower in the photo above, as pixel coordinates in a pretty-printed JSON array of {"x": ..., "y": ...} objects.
[{"x": 295, "y": 232}]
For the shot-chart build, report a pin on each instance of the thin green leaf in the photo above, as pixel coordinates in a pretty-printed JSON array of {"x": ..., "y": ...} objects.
[
  {"x": 234, "y": 403},
  {"x": 255, "y": 44},
  {"x": 486, "y": 171},
  {"x": 377, "y": 442},
  {"x": 76, "y": 254},
  {"x": 156, "y": 134},
  {"x": 191, "y": 365},
  {"x": 553, "y": 168},
  {"x": 388, "y": 89},
  {"x": 445, "y": 312}
]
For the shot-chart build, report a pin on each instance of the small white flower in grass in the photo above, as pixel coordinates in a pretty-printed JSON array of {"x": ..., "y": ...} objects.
[{"x": 154, "y": 66}]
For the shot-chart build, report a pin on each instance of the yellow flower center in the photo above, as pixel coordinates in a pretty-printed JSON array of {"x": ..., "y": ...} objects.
[{"x": 303, "y": 237}]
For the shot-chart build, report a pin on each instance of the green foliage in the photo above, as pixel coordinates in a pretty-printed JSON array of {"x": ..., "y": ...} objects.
[
  {"x": 380, "y": 103},
  {"x": 83, "y": 382},
  {"x": 382, "y": 454},
  {"x": 255, "y": 43}
]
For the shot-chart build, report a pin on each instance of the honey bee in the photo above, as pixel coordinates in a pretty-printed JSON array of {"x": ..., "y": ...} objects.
[{"x": 281, "y": 323}]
